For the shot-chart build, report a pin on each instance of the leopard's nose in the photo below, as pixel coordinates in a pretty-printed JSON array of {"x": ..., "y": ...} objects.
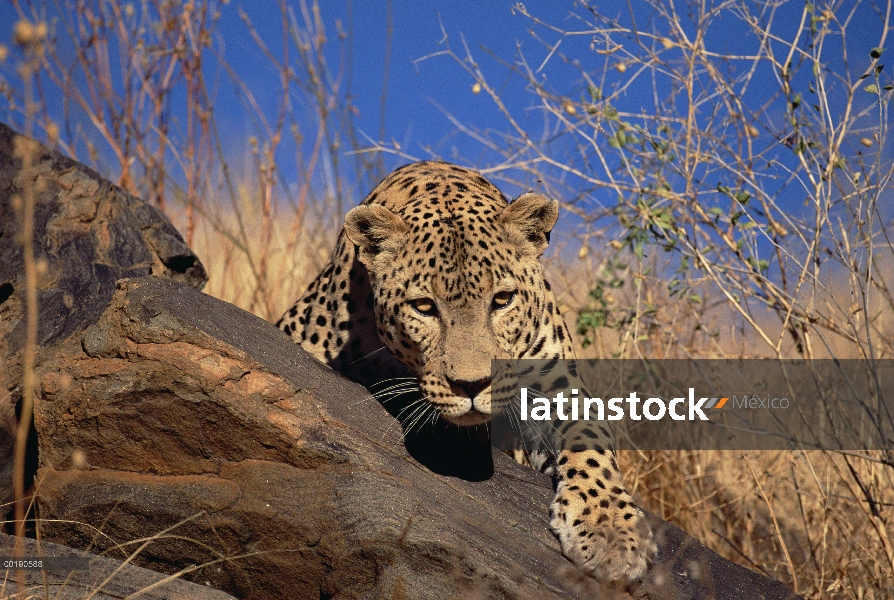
[{"x": 469, "y": 389}]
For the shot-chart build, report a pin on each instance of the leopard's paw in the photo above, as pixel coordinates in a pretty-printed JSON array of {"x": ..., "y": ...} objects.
[{"x": 603, "y": 533}]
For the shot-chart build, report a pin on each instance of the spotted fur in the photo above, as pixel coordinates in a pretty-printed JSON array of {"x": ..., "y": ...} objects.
[{"x": 434, "y": 275}]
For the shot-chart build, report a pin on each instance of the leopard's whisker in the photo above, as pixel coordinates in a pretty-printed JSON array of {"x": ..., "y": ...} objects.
[
  {"x": 417, "y": 405},
  {"x": 399, "y": 387},
  {"x": 414, "y": 405},
  {"x": 382, "y": 400},
  {"x": 421, "y": 418},
  {"x": 362, "y": 358},
  {"x": 405, "y": 385},
  {"x": 413, "y": 419}
]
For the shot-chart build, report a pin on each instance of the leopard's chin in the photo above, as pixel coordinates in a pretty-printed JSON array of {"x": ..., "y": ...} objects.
[{"x": 469, "y": 418}]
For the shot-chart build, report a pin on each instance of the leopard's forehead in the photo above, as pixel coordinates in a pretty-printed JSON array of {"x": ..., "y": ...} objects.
[
  {"x": 458, "y": 253},
  {"x": 454, "y": 243},
  {"x": 445, "y": 188}
]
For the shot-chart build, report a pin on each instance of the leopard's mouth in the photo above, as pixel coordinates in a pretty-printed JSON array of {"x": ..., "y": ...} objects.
[
  {"x": 466, "y": 412},
  {"x": 470, "y": 418},
  {"x": 457, "y": 405}
]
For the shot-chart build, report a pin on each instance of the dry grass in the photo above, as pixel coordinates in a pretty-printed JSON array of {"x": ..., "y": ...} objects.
[
  {"x": 799, "y": 517},
  {"x": 230, "y": 249},
  {"x": 819, "y": 521}
]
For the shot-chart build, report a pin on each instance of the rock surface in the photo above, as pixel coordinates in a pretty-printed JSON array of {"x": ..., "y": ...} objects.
[
  {"x": 90, "y": 233},
  {"x": 106, "y": 578},
  {"x": 181, "y": 416}
]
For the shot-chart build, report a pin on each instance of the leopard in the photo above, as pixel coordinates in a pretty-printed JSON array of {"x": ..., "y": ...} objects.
[{"x": 433, "y": 276}]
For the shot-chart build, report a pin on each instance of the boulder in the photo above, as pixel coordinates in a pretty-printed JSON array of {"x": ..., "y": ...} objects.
[
  {"x": 182, "y": 417},
  {"x": 89, "y": 233}
]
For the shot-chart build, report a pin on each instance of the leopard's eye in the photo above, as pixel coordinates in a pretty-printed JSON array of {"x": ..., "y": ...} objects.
[
  {"x": 424, "y": 306},
  {"x": 502, "y": 300}
]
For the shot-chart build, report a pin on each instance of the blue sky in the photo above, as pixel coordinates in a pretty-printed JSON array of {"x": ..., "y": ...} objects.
[
  {"x": 411, "y": 116},
  {"x": 419, "y": 91},
  {"x": 416, "y": 86}
]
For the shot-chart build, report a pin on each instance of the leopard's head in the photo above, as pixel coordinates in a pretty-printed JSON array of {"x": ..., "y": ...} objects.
[{"x": 454, "y": 289}]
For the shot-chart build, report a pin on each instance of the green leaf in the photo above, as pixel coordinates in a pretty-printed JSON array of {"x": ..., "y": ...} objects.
[
  {"x": 876, "y": 52},
  {"x": 871, "y": 88},
  {"x": 619, "y": 140},
  {"x": 758, "y": 265},
  {"x": 796, "y": 101}
]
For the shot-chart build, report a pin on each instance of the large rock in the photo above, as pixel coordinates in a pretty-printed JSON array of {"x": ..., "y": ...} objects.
[
  {"x": 90, "y": 233},
  {"x": 179, "y": 415}
]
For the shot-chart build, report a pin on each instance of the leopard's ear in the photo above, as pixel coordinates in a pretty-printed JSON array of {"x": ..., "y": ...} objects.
[
  {"x": 374, "y": 230},
  {"x": 529, "y": 219}
]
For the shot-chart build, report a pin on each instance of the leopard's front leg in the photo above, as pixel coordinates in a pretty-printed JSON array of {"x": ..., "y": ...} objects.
[{"x": 600, "y": 528}]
